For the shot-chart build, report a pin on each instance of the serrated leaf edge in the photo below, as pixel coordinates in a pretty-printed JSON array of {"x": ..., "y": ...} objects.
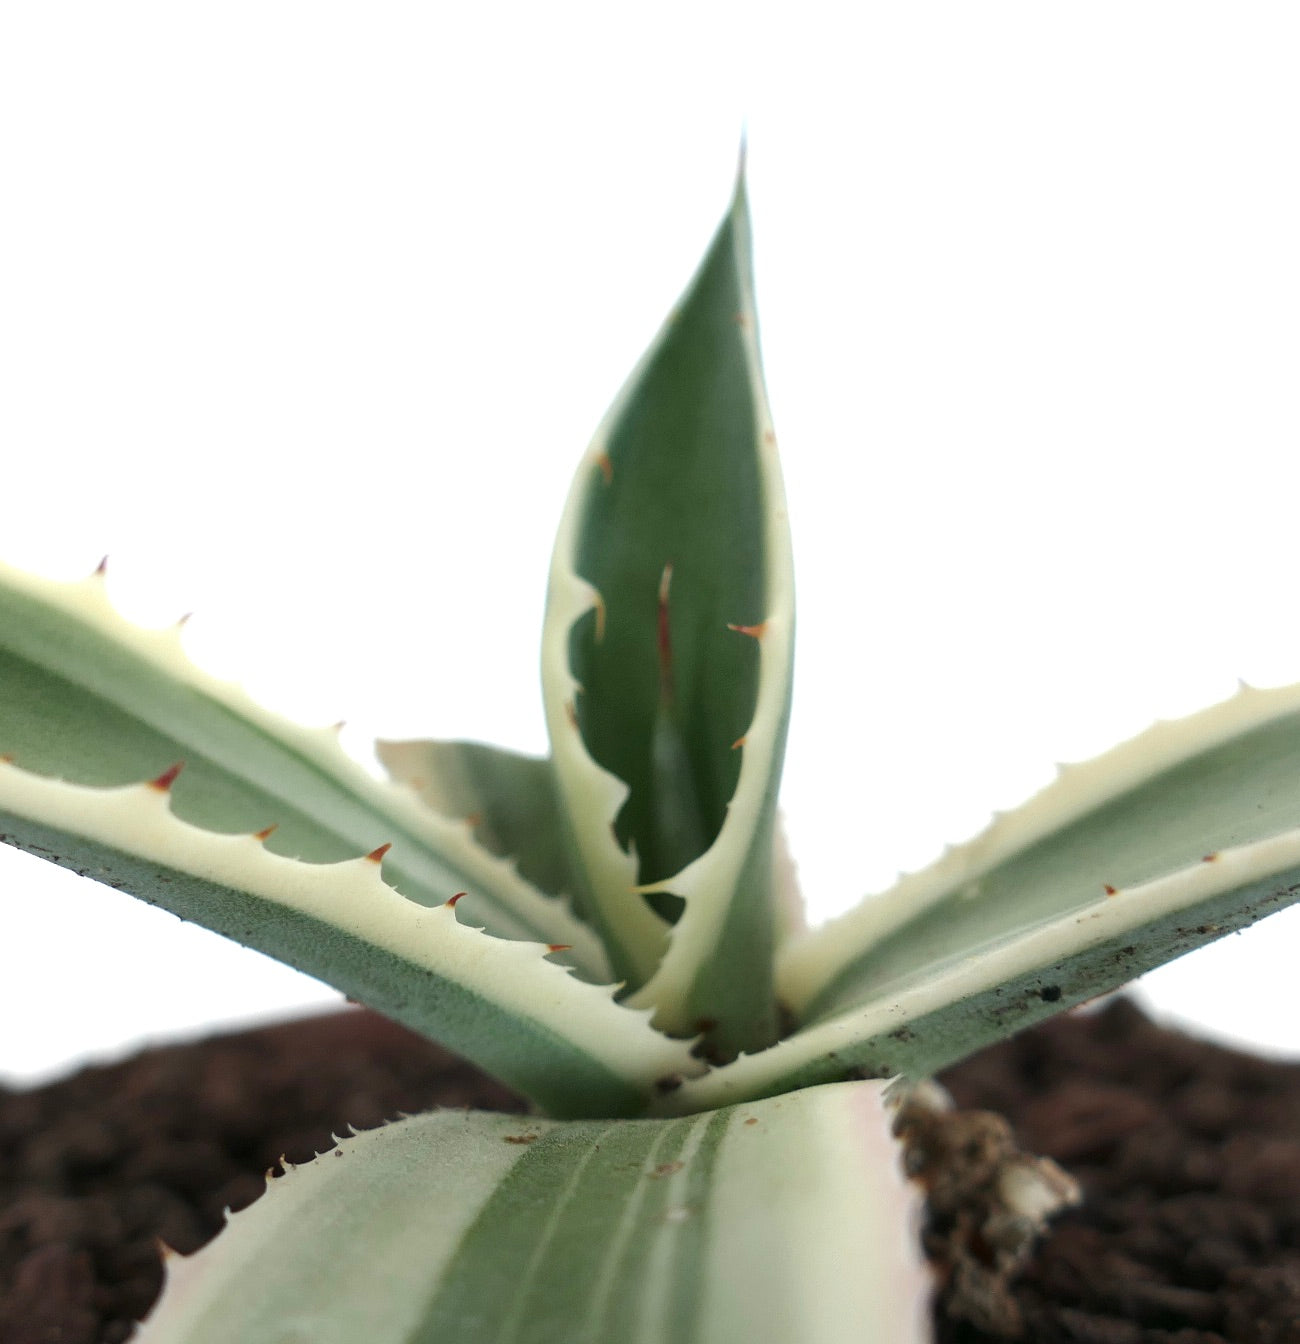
[
  {"x": 670, "y": 958},
  {"x": 408, "y": 818},
  {"x": 1113, "y": 916},
  {"x": 353, "y": 897},
  {"x": 710, "y": 884},
  {"x": 807, "y": 964},
  {"x": 721, "y": 1243},
  {"x": 592, "y": 795}
]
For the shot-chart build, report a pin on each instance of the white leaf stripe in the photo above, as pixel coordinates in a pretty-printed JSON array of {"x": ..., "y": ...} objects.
[
  {"x": 593, "y": 796},
  {"x": 786, "y": 1220},
  {"x": 562, "y": 1041}
]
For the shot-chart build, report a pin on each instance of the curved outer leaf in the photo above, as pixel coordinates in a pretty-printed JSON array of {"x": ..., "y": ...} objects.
[
  {"x": 88, "y": 696},
  {"x": 509, "y": 799},
  {"x": 1225, "y": 777},
  {"x": 1185, "y": 834},
  {"x": 788, "y": 1220},
  {"x": 667, "y": 726},
  {"x": 558, "y": 1040},
  {"x": 920, "y": 1023}
]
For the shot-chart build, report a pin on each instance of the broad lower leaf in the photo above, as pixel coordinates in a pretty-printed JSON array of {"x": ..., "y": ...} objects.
[
  {"x": 93, "y": 699},
  {"x": 562, "y": 1042},
  {"x": 509, "y": 800},
  {"x": 667, "y": 663},
  {"x": 787, "y": 1220}
]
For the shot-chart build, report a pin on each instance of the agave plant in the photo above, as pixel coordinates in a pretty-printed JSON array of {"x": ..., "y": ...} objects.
[{"x": 614, "y": 930}]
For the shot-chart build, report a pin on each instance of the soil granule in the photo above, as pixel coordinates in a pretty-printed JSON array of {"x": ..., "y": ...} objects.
[{"x": 1188, "y": 1155}]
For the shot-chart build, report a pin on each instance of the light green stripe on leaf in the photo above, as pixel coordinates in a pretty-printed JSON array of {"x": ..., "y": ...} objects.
[
  {"x": 89, "y": 697},
  {"x": 786, "y": 1220},
  {"x": 562, "y": 1042}
]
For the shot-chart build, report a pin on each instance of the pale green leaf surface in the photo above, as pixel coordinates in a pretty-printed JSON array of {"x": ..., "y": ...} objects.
[
  {"x": 87, "y": 696},
  {"x": 509, "y": 799},
  {"x": 667, "y": 719},
  {"x": 559, "y": 1040},
  {"x": 787, "y": 1220},
  {"x": 933, "y": 1001},
  {"x": 1224, "y": 778}
]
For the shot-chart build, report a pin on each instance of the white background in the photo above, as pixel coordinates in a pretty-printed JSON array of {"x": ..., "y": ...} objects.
[{"x": 308, "y": 310}]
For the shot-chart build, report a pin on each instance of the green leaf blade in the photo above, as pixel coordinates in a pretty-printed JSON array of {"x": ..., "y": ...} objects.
[
  {"x": 510, "y": 801},
  {"x": 1187, "y": 833},
  {"x": 668, "y": 657},
  {"x": 782, "y": 1221},
  {"x": 1161, "y": 804},
  {"x": 558, "y": 1040},
  {"x": 670, "y": 540},
  {"x": 88, "y": 697},
  {"x": 919, "y": 1023}
]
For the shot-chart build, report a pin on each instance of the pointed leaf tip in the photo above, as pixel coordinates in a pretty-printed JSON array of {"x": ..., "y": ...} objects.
[
  {"x": 377, "y": 855},
  {"x": 168, "y": 777},
  {"x": 454, "y": 899},
  {"x": 558, "y": 947},
  {"x": 753, "y": 631},
  {"x": 266, "y": 832},
  {"x": 691, "y": 535}
]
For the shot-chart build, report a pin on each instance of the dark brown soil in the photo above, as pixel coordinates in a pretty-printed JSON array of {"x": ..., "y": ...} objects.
[
  {"x": 1189, "y": 1156},
  {"x": 96, "y": 1169},
  {"x": 1189, "y": 1159}
]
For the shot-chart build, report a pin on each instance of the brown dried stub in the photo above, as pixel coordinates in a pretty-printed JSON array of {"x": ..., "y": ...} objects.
[{"x": 986, "y": 1202}]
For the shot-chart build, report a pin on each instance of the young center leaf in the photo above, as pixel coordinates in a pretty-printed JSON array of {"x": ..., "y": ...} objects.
[{"x": 667, "y": 657}]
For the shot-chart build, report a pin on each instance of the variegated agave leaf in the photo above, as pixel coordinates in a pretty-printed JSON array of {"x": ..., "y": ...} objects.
[
  {"x": 1181, "y": 836},
  {"x": 473, "y": 1227},
  {"x": 667, "y": 658}
]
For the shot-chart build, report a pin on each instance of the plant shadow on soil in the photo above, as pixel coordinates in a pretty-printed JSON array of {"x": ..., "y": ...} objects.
[{"x": 1188, "y": 1154}]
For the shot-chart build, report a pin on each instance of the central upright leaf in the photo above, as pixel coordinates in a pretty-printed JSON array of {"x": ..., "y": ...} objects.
[
  {"x": 667, "y": 664},
  {"x": 671, "y": 538}
]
